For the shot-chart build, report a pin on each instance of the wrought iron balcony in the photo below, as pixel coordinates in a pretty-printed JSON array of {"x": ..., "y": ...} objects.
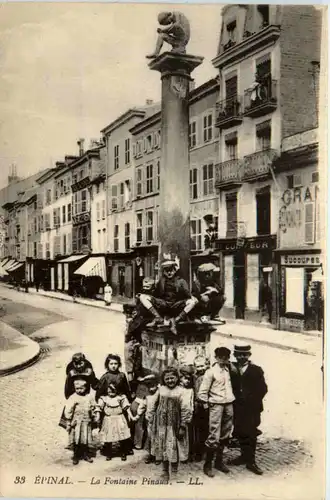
[
  {"x": 229, "y": 112},
  {"x": 228, "y": 173},
  {"x": 261, "y": 99},
  {"x": 257, "y": 165}
]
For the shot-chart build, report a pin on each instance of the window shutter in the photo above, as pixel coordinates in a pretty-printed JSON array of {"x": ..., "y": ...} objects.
[
  {"x": 39, "y": 250},
  {"x": 68, "y": 244},
  {"x": 134, "y": 150},
  {"x": 309, "y": 223},
  {"x": 74, "y": 241},
  {"x": 57, "y": 245}
]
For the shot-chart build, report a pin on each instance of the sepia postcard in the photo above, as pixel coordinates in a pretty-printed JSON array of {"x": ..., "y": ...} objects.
[{"x": 162, "y": 250}]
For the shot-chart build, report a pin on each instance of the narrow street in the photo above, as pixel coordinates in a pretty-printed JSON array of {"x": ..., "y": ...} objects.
[{"x": 287, "y": 449}]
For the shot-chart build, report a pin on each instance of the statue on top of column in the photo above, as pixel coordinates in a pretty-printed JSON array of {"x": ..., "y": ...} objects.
[{"x": 176, "y": 33}]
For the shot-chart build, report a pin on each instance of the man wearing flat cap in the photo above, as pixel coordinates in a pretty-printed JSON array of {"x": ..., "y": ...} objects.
[
  {"x": 216, "y": 394},
  {"x": 171, "y": 297},
  {"x": 249, "y": 388}
]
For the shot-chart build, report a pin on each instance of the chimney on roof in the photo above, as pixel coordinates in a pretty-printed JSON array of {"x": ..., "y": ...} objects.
[
  {"x": 12, "y": 177},
  {"x": 192, "y": 85},
  {"x": 149, "y": 102},
  {"x": 80, "y": 143},
  {"x": 94, "y": 143},
  {"x": 69, "y": 159}
]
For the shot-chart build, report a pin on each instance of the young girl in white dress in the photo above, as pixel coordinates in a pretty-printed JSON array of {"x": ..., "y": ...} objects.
[{"x": 114, "y": 426}]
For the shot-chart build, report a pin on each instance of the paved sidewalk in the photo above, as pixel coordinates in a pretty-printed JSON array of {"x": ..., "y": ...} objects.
[
  {"x": 241, "y": 330},
  {"x": 297, "y": 342},
  {"x": 16, "y": 350}
]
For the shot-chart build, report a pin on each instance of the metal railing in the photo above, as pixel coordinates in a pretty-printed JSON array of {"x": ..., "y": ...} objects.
[{"x": 262, "y": 93}]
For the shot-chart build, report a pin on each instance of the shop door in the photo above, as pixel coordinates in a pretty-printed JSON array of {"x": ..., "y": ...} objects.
[
  {"x": 239, "y": 285},
  {"x": 121, "y": 273}
]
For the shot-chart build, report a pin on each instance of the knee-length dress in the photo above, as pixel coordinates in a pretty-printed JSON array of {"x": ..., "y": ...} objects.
[
  {"x": 114, "y": 425},
  {"x": 79, "y": 410},
  {"x": 169, "y": 410}
]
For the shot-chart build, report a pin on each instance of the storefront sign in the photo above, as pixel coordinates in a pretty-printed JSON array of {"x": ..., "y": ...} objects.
[
  {"x": 292, "y": 324},
  {"x": 250, "y": 244},
  {"x": 301, "y": 260},
  {"x": 80, "y": 218}
]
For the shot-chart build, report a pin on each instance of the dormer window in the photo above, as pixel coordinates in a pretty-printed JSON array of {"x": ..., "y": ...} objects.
[
  {"x": 264, "y": 12},
  {"x": 231, "y": 31},
  {"x": 230, "y": 35}
]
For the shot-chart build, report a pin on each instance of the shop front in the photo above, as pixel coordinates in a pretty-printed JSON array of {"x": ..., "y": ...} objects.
[
  {"x": 247, "y": 266},
  {"x": 120, "y": 272},
  {"x": 63, "y": 271},
  {"x": 301, "y": 299}
]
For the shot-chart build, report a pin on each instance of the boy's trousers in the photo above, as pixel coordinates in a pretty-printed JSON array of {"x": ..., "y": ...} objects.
[{"x": 220, "y": 424}]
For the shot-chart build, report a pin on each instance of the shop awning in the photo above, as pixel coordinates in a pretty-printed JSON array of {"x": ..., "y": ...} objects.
[
  {"x": 72, "y": 258},
  {"x": 8, "y": 264},
  {"x": 3, "y": 272},
  {"x": 4, "y": 261},
  {"x": 16, "y": 266},
  {"x": 94, "y": 266}
]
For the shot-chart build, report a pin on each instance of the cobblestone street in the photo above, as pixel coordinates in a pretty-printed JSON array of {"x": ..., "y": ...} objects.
[{"x": 32, "y": 442}]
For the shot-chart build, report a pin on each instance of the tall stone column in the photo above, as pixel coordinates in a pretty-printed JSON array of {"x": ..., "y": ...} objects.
[{"x": 174, "y": 221}]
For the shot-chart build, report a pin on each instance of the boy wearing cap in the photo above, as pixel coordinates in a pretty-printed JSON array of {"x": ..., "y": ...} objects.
[
  {"x": 208, "y": 292},
  {"x": 249, "y": 388},
  {"x": 171, "y": 297},
  {"x": 216, "y": 394}
]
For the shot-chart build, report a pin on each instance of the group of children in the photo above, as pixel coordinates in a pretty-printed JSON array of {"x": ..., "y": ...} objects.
[{"x": 175, "y": 420}]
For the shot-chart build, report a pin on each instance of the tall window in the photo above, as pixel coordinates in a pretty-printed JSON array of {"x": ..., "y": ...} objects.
[
  {"x": 64, "y": 214},
  {"x": 192, "y": 134},
  {"x": 116, "y": 157},
  {"x": 231, "y": 87},
  {"x": 69, "y": 212},
  {"x": 208, "y": 127},
  {"x": 116, "y": 238},
  {"x": 263, "y": 133},
  {"x": 231, "y": 147},
  {"x": 127, "y": 236},
  {"x": 194, "y": 184},
  {"x": 139, "y": 190},
  {"x": 114, "y": 201},
  {"x": 97, "y": 211},
  {"x": 231, "y": 206},
  {"x": 139, "y": 227},
  {"x": 309, "y": 223},
  {"x": 158, "y": 176},
  {"x": 149, "y": 143},
  {"x": 196, "y": 234},
  {"x": 48, "y": 196},
  {"x": 263, "y": 211},
  {"x": 149, "y": 178},
  {"x": 149, "y": 226},
  {"x": 84, "y": 200},
  {"x": 208, "y": 179},
  {"x": 127, "y": 151},
  {"x": 64, "y": 244},
  {"x": 103, "y": 209}
]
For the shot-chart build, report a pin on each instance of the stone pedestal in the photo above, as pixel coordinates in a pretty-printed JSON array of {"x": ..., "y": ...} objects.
[{"x": 174, "y": 223}]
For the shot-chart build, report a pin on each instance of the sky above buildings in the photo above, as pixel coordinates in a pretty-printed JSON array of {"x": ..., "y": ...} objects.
[{"x": 67, "y": 70}]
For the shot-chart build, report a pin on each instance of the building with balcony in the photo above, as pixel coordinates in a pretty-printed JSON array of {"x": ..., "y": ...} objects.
[
  {"x": 263, "y": 52},
  {"x": 120, "y": 217},
  {"x": 299, "y": 261}
]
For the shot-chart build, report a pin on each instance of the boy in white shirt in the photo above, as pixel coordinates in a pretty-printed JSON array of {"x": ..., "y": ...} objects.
[{"x": 216, "y": 394}]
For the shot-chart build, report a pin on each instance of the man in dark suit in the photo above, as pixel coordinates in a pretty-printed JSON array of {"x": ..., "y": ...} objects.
[{"x": 249, "y": 388}]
